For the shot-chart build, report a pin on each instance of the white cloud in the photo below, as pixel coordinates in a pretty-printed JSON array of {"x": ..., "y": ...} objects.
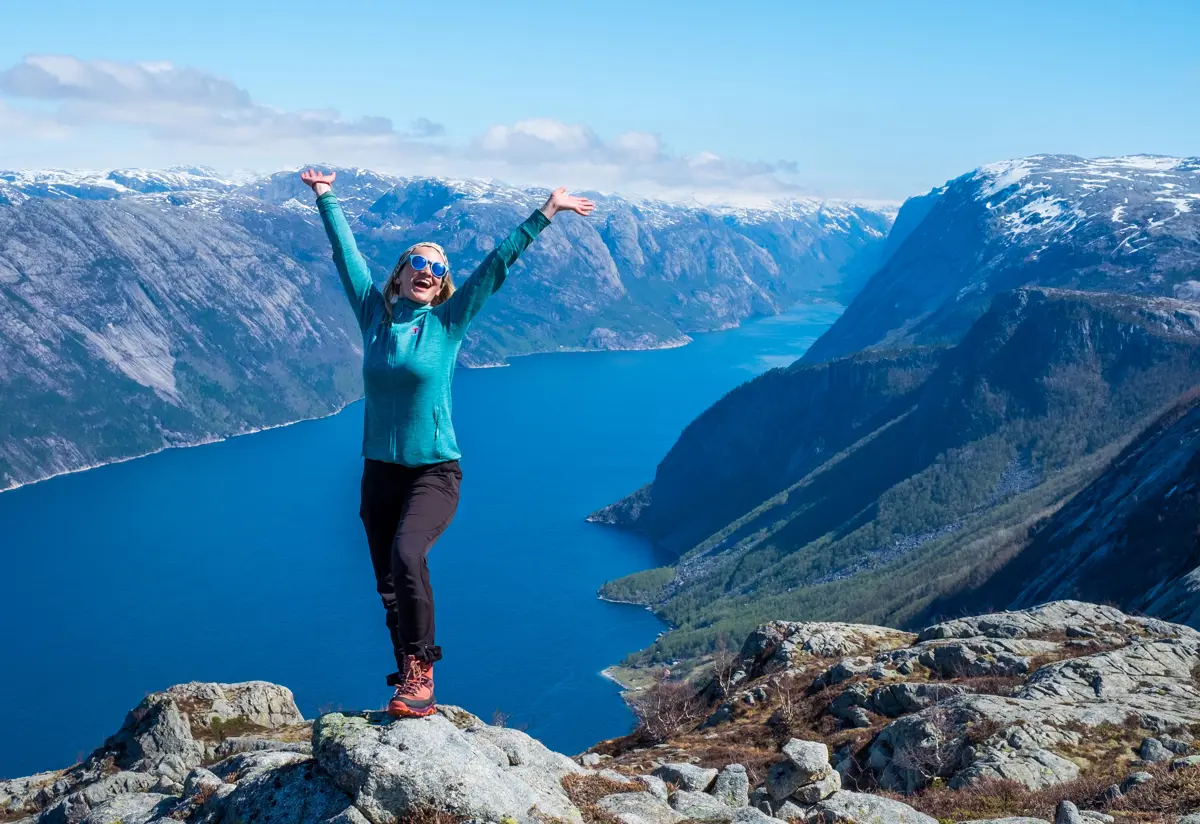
[{"x": 64, "y": 111}]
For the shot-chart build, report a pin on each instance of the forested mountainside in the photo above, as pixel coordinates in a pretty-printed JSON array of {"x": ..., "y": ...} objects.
[
  {"x": 1127, "y": 224},
  {"x": 877, "y": 486},
  {"x": 144, "y": 309},
  {"x": 1131, "y": 537}
]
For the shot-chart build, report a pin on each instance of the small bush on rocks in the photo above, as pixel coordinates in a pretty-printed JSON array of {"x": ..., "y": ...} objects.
[{"x": 667, "y": 708}]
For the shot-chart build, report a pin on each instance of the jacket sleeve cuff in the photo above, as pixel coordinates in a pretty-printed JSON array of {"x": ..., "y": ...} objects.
[{"x": 536, "y": 222}]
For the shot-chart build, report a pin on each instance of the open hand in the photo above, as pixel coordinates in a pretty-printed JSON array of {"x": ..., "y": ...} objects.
[
  {"x": 321, "y": 183},
  {"x": 560, "y": 201}
]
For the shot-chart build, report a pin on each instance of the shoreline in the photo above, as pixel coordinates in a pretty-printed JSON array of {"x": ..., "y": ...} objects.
[
  {"x": 629, "y": 603},
  {"x": 674, "y": 343},
  {"x": 203, "y": 442}
]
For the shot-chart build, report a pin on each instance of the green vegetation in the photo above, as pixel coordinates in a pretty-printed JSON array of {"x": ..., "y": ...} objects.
[
  {"x": 1035, "y": 402},
  {"x": 645, "y": 587}
]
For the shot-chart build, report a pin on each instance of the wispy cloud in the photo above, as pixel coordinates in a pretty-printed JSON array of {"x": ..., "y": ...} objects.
[{"x": 71, "y": 107}]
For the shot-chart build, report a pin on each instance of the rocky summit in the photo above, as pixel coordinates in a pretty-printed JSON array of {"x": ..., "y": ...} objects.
[{"x": 1068, "y": 711}]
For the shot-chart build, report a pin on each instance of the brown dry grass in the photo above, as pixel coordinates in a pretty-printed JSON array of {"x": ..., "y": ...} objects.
[
  {"x": 1168, "y": 796},
  {"x": 1001, "y": 799},
  {"x": 1002, "y": 685},
  {"x": 586, "y": 789},
  {"x": 794, "y": 708}
]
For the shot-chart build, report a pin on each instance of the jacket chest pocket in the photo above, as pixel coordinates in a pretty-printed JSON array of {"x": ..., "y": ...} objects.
[{"x": 437, "y": 426}]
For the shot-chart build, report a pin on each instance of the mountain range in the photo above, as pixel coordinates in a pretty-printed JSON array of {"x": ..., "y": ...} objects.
[
  {"x": 1001, "y": 416},
  {"x": 142, "y": 309}
]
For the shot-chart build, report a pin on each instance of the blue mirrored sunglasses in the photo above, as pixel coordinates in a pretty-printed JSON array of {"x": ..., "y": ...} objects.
[{"x": 436, "y": 268}]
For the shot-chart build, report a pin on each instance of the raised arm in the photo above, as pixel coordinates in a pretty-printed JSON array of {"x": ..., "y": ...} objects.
[
  {"x": 468, "y": 299},
  {"x": 356, "y": 277}
]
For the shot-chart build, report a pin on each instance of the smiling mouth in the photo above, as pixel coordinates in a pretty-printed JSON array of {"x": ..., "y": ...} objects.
[{"x": 422, "y": 283}]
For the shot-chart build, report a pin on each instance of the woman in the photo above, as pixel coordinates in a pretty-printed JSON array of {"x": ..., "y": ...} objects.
[{"x": 412, "y": 331}]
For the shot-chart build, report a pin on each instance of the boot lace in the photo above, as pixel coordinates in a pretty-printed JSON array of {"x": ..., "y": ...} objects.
[{"x": 416, "y": 675}]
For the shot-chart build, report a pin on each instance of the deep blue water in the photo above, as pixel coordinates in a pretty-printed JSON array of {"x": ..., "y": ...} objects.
[{"x": 245, "y": 559}]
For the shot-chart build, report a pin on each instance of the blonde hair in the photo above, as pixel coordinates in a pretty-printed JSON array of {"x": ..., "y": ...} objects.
[{"x": 392, "y": 290}]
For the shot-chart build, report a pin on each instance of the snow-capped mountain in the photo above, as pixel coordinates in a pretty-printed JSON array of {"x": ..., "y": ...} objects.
[
  {"x": 150, "y": 308},
  {"x": 1121, "y": 224},
  {"x": 17, "y": 186}
]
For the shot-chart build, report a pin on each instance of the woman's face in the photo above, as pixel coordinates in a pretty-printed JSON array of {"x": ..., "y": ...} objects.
[{"x": 422, "y": 286}]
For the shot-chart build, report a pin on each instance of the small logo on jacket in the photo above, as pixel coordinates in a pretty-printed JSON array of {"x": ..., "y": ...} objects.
[{"x": 416, "y": 330}]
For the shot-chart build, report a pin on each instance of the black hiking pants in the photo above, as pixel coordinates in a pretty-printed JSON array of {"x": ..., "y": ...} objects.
[{"x": 404, "y": 509}]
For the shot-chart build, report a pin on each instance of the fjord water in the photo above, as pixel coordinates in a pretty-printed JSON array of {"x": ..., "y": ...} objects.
[{"x": 245, "y": 559}]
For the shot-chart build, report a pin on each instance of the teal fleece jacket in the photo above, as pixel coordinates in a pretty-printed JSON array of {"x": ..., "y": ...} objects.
[{"x": 408, "y": 360}]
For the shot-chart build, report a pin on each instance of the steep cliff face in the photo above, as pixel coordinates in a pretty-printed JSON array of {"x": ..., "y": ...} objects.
[
  {"x": 126, "y": 326},
  {"x": 764, "y": 436},
  {"x": 143, "y": 309},
  {"x": 1129, "y": 225},
  {"x": 1129, "y": 538},
  {"x": 978, "y": 439}
]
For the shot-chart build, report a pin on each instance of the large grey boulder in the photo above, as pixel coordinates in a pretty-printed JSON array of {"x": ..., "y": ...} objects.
[
  {"x": 806, "y": 772},
  {"x": 815, "y": 791},
  {"x": 977, "y": 656},
  {"x": 639, "y": 808},
  {"x": 1021, "y": 753},
  {"x": 1051, "y": 618},
  {"x": 810, "y": 758},
  {"x": 1016, "y": 819},
  {"x": 732, "y": 786},
  {"x": 17, "y": 794},
  {"x": 477, "y": 772},
  {"x": 1067, "y": 813},
  {"x": 252, "y": 703},
  {"x": 298, "y": 792},
  {"x": 687, "y": 776},
  {"x": 131, "y": 808},
  {"x": 700, "y": 806},
  {"x": 244, "y": 743},
  {"x": 76, "y": 806},
  {"x": 1153, "y": 751},
  {"x": 1150, "y": 678},
  {"x": 168, "y": 734},
  {"x": 155, "y": 732},
  {"x": 174, "y": 726},
  {"x": 786, "y": 645},
  {"x": 246, "y": 765},
  {"x": 894, "y": 700},
  {"x": 846, "y": 807},
  {"x": 171, "y": 732},
  {"x": 654, "y": 785},
  {"x": 752, "y": 815},
  {"x": 789, "y": 810}
]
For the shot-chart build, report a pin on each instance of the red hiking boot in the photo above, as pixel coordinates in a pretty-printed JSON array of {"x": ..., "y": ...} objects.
[{"x": 414, "y": 695}]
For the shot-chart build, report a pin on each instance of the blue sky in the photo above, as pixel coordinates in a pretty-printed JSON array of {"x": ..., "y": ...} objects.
[{"x": 869, "y": 100}]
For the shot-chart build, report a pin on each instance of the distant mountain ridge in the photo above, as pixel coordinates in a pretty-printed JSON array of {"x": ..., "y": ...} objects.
[
  {"x": 141, "y": 309},
  {"x": 1124, "y": 224},
  {"x": 904, "y": 481}
]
